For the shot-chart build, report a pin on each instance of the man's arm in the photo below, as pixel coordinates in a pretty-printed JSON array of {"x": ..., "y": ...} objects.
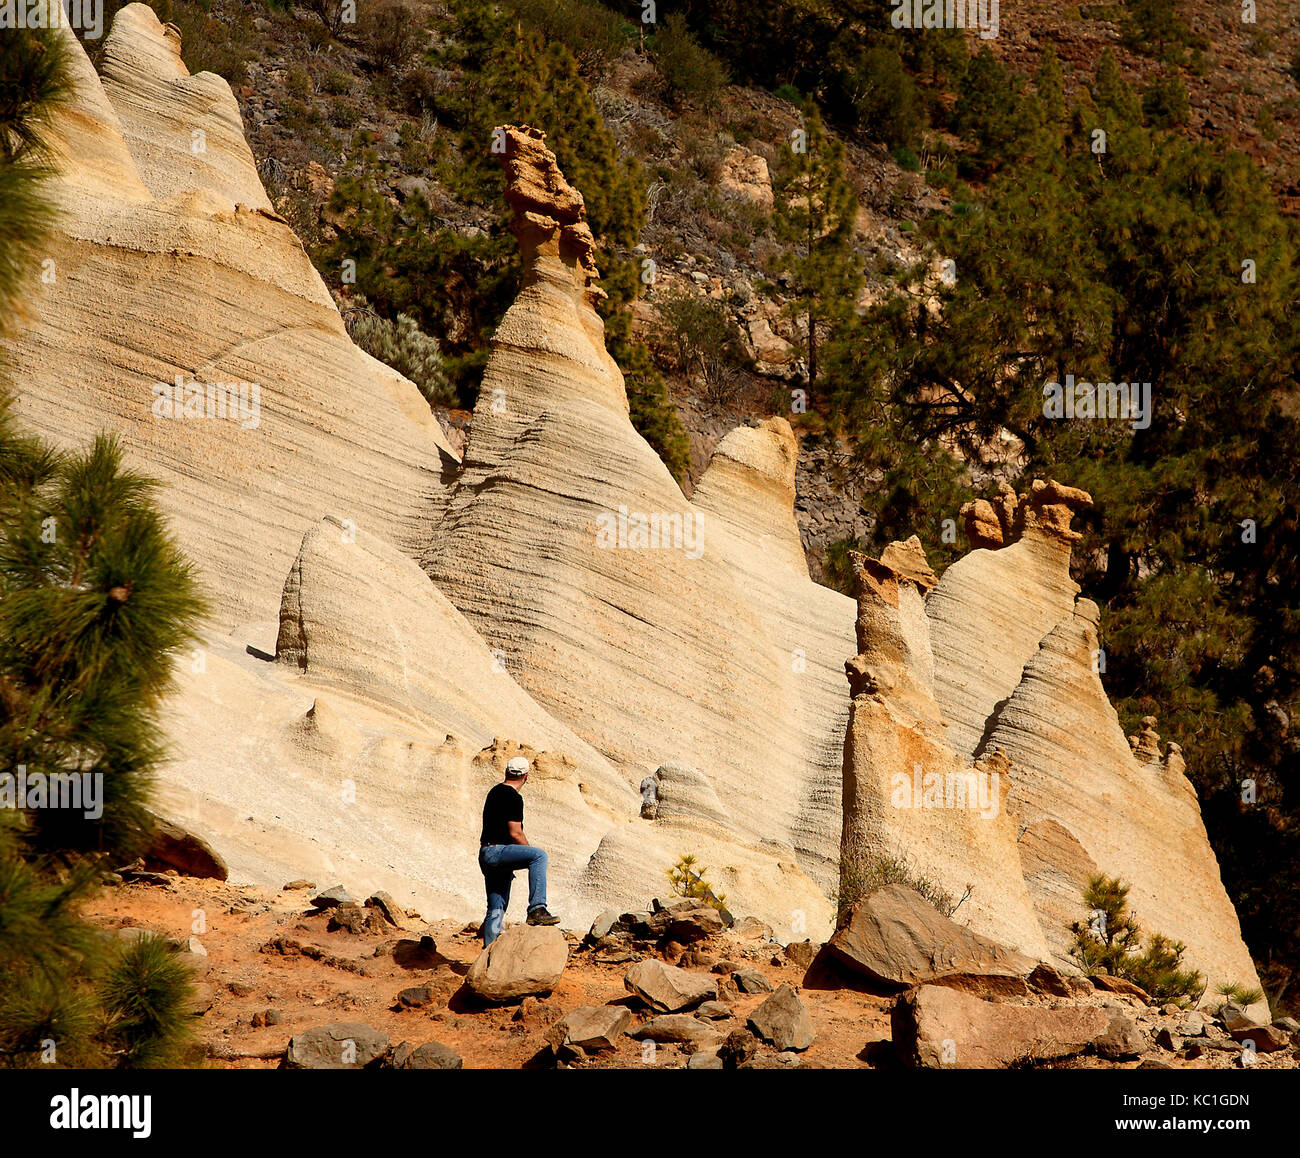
[{"x": 516, "y": 830}]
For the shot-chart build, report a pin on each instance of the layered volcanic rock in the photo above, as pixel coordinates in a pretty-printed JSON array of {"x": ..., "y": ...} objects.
[
  {"x": 907, "y": 795},
  {"x": 169, "y": 266},
  {"x": 991, "y": 674},
  {"x": 661, "y": 631},
  {"x": 1141, "y": 822},
  {"x": 382, "y": 641}
]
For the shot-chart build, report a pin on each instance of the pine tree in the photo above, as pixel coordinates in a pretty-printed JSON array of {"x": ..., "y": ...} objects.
[
  {"x": 814, "y": 211},
  {"x": 94, "y": 602}
]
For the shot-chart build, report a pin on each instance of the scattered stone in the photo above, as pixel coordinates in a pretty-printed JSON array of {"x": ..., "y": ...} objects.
[
  {"x": 694, "y": 959},
  {"x": 681, "y": 1028},
  {"x": 751, "y": 981},
  {"x": 667, "y": 989},
  {"x": 240, "y": 988},
  {"x": 1166, "y": 1039},
  {"x": 344, "y": 1045},
  {"x": 752, "y": 929},
  {"x": 603, "y": 925},
  {"x": 725, "y": 966},
  {"x": 416, "y": 997},
  {"x": 713, "y": 1011},
  {"x": 525, "y": 959},
  {"x": 801, "y": 953},
  {"x": 1288, "y": 1023},
  {"x": 348, "y": 916},
  {"x": 1119, "y": 985},
  {"x": 737, "y": 1048},
  {"x": 1193, "y": 1024},
  {"x": 298, "y": 885},
  {"x": 1266, "y": 1038},
  {"x": 590, "y": 1028},
  {"x": 432, "y": 1055},
  {"x": 391, "y": 910},
  {"x": 783, "y": 1021},
  {"x": 938, "y": 1028},
  {"x": 1122, "y": 1041},
  {"x": 331, "y": 898},
  {"x": 897, "y": 937}
]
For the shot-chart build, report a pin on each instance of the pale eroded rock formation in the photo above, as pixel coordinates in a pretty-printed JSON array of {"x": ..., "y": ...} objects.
[
  {"x": 389, "y": 625},
  {"x": 992, "y": 672}
]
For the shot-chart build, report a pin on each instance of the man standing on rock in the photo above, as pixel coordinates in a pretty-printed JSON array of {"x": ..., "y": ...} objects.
[{"x": 503, "y": 849}]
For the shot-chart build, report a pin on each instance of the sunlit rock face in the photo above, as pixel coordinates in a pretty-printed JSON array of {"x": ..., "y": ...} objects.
[{"x": 389, "y": 625}]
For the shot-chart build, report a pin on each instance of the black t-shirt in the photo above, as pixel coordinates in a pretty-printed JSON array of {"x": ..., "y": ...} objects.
[{"x": 503, "y": 804}]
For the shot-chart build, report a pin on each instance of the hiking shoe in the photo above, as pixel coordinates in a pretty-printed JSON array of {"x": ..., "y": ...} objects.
[{"x": 539, "y": 916}]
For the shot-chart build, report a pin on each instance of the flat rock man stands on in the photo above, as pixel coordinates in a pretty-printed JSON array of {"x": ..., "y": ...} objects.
[{"x": 504, "y": 849}]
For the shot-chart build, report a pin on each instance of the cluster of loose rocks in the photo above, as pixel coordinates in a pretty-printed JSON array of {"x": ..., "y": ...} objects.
[
  {"x": 969, "y": 1003},
  {"x": 702, "y": 990}
]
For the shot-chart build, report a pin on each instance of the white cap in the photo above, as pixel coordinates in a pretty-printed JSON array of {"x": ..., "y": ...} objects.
[{"x": 518, "y": 766}]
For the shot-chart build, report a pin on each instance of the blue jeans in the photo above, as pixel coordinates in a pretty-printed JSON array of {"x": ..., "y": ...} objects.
[{"x": 499, "y": 863}]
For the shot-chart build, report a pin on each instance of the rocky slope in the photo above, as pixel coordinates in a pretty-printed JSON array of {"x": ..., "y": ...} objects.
[{"x": 390, "y": 623}]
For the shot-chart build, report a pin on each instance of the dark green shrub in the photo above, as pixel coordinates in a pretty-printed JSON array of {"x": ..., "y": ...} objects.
[{"x": 691, "y": 75}]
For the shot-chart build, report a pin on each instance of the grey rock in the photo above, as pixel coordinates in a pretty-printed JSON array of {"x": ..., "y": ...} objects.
[
  {"x": 331, "y": 898},
  {"x": 432, "y": 1055},
  {"x": 1122, "y": 1041},
  {"x": 783, "y": 1021},
  {"x": 668, "y": 989},
  {"x": 751, "y": 981},
  {"x": 343, "y": 1045}
]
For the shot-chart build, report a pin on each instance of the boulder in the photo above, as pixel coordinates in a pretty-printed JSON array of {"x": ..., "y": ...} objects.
[
  {"x": 416, "y": 997},
  {"x": 590, "y": 1028},
  {"x": 1119, "y": 985},
  {"x": 668, "y": 989},
  {"x": 432, "y": 1055},
  {"x": 713, "y": 1011},
  {"x": 332, "y": 898},
  {"x": 801, "y": 953},
  {"x": 938, "y": 1028},
  {"x": 172, "y": 846},
  {"x": 751, "y": 981},
  {"x": 684, "y": 922},
  {"x": 896, "y": 937},
  {"x": 603, "y": 925},
  {"x": 1122, "y": 1041},
  {"x": 1167, "y": 1039},
  {"x": 704, "y": 1059},
  {"x": 344, "y": 1045},
  {"x": 739, "y": 1046},
  {"x": 752, "y": 929},
  {"x": 349, "y": 916},
  {"x": 1234, "y": 1017},
  {"x": 681, "y": 1028},
  {"x": 392, "y": 911},
  {"x": 1265, "y": 1038},
  {"x": 524, "y": 960},
  {"x": 1046, "y": 979},
  {"x": 783, "y": 1022}
]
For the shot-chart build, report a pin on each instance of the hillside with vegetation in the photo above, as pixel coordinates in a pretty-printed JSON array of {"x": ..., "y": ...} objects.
[{"x": 894, "y": 241}]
